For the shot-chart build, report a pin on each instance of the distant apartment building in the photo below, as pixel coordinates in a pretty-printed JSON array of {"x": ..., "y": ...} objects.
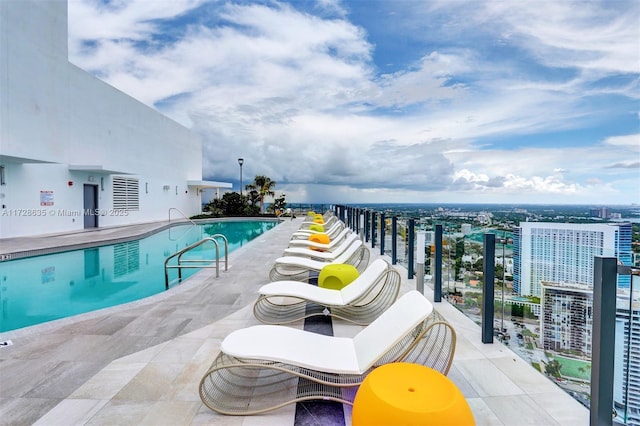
[
  {"x": 566, "y": 324},
  {"x": 603, "y": 212},
  {"x": 77, "y": 153},
  {"x": 465, "y": 228},
  {"x": 566, "y": 319},
  {"x": 564, "y": 253},
  {"x": 505, "y": 261},
  {"x": 626, "y": 393},
  {"x": 484, "y": 218}
]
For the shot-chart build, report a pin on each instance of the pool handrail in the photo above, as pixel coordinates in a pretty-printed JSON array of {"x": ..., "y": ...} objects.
[
  {"x": 179, "y": 254},
  {"x": 179, "y": 211}
]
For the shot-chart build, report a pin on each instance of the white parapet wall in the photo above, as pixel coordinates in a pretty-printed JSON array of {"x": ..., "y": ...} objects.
[{"x": 69, "y": 141}]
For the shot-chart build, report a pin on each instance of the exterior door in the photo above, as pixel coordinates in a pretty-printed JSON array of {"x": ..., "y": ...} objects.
[{"x": 90, "y": 206}]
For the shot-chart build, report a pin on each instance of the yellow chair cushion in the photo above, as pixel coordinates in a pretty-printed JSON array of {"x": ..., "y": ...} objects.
[
  {"x": 409, "y": 394},
  {"x": 336, "y": 276}
]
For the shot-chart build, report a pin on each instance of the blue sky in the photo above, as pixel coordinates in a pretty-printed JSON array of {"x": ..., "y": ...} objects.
[{"x": 363, "y": 101}]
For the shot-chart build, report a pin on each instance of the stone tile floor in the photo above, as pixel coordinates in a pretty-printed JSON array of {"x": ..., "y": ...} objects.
[{"x": 141, "y": 363}]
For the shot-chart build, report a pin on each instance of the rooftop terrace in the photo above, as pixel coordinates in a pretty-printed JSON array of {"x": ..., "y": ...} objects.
[{"x": 141, "y": 363}]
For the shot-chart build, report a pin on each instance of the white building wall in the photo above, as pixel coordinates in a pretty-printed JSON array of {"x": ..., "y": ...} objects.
[{"x": 61, "y": 128}]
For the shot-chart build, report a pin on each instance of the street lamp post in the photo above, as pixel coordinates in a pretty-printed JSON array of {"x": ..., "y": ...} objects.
[{"x": 240, "y": 162}]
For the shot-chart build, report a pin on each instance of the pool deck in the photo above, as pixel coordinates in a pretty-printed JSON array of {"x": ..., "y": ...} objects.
[{"x": 141, "y": 363}]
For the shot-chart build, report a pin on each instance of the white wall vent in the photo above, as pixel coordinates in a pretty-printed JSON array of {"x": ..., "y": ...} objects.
[{"x": 126, "y": 193}]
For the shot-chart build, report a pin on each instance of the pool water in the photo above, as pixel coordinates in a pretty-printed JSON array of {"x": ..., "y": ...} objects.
[{"x": 39, "y": 289}]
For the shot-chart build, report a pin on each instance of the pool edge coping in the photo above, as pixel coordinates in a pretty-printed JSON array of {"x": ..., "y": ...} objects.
[
  {"x": 106, "y": 240},
  {"x": 197, "y": 278}
]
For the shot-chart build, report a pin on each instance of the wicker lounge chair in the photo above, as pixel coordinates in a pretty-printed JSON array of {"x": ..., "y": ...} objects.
[
  {"x": 297, "y": 268},
  {"x": 361, "y": 302},
  {"x": 265, "y": 367}
]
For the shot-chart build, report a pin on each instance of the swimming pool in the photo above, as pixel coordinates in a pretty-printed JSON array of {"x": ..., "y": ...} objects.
[{"x": 39, "y": 289}]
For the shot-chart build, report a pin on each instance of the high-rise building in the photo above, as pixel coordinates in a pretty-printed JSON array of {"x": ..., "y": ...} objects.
[
  {"x": 603, "y": 212},
  {"x": 626, "y": 393},
  {"x": 565, "y": 252},
  {"x": 567, "y": 318},
  {"x": 566, "y": 324}
]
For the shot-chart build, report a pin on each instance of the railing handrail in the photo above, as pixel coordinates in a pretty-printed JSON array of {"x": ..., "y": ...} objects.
[
  {"x": 179, "y": 211},
  {"x": 179, "y": 254}
]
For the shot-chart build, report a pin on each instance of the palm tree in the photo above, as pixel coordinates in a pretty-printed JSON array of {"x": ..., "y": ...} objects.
[
  {"x": 553, "y": 368},
  {"x": 264, "y": 186}
]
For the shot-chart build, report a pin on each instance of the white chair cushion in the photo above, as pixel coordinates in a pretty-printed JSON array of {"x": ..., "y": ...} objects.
[
  {"x": 387, "y": 330},
  {"x": 292, "y": 346},
  {"x": 322, "y": 296},
  {"x": 361, "y": 284},
  {"x": 340, "y": 355}
]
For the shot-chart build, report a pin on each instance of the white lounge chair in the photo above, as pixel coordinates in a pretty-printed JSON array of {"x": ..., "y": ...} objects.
[
  {"x": 332, "y": 231},
  {"x": 326, "y": 223},
  {"x": 265, "y": 367},
  {"x": 360, "y": 302},
  {"x": 324, "y": 246},
  {"x": 297, "y": 268},
  {"x": 327, "y": 255}
]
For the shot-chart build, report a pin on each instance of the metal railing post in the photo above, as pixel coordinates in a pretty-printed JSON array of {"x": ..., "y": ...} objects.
[
  {"x": 353, "y": 217},
  {"x": 488, "y": 273},
  {"x": 367, "y": 220},
  {"x": 373, "y": 229},
  {"x": 411, "y": 244},
  {"x": 437, "y": 275},
  {"x": 603, "y": 340},
  {"x": 382, "y": 233},
  {"x": 394, "y": 240}
]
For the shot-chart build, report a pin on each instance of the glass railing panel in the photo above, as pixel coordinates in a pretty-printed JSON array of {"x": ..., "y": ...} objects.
[
  {"x": 388, "y": 236},
  {"x": 546, "y": 322},
  {"x": 402, "y": 243}
]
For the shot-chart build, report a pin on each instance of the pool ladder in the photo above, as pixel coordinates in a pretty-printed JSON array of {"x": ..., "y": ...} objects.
[{"x": 197, "y": 263}]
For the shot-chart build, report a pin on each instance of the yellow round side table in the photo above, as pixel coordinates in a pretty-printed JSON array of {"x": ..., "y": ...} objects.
[
  {"x": 319, "y": 238},
  {"x": 316, "y": 227},
  {"x": 409, "y": 394},
  {"x": 336, "y": 276}
]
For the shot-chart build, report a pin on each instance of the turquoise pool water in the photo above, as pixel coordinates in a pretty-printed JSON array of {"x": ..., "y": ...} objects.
[{"x": 39, "y": 289}]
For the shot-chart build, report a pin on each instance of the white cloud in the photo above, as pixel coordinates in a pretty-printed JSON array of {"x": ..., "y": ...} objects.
[
  {"x": 298, "y": 96},
  {"x": 627, "y": 141}
]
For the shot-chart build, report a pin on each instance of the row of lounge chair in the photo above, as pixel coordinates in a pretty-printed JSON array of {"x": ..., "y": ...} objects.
[
  {"x": 297, "y": 263},
  {"x": 268, "y": 366}
]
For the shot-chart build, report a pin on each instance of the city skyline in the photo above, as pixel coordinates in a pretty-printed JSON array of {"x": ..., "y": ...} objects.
[{"x": 408, "y": 101}]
